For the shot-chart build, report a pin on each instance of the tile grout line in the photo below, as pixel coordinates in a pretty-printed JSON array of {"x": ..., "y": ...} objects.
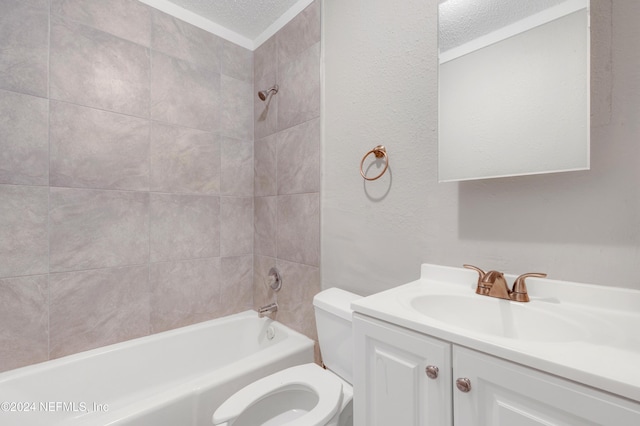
[
  {"x": 49, "y": 33},
  {"x": 150, "y": 130}
]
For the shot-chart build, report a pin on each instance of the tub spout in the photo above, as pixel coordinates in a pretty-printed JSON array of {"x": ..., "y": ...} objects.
[{"x": 268, "y": 309}]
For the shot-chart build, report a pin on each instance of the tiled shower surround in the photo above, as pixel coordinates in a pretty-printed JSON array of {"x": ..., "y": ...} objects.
[
  {"x": 287, "y": 169},
  {"x": 127, "y": 183}
]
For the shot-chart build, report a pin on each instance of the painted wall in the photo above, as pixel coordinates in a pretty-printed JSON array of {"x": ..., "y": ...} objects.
[
  {"x": 126, "y": 176},
  {"x": 380, "y": 87}
]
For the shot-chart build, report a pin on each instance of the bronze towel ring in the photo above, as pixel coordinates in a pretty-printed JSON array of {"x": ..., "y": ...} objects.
[{"x": 380, "y": 152}]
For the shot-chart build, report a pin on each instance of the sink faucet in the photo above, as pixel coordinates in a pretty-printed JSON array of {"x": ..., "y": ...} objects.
[{"x": 493, "y": 284}]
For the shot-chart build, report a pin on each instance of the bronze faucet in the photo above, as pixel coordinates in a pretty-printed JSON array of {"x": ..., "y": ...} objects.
[{"x": 493, "y": 284}]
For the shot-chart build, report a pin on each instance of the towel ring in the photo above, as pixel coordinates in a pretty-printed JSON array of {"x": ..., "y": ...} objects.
[{"x": 379, "y": 151}]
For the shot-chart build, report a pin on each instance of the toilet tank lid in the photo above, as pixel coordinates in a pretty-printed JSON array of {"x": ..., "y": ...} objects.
[{"x": 336, "y": 301}]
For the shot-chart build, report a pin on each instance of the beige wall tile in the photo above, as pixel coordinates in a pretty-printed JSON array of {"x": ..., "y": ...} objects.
[
  {"x": 236, "y": 286},
  {"x": 179, "y": 39},
  {"x": 265, "y": 166},
  {"x": 24, "y": 315},
  {"x": 265, "y": 225},
  {"x": 23, "y": 230},
  {"x": 184, "y": 160},
  {"x": 129, "y": 19},
  {"x": 24, "y": 41},
  {"x": 97, "y": 229},
  {"x": 298, "y": 235},
  {"x": 24, "y": 136},
  {"x": 184, "y": 292},
  {"x": 236, "y": 236},
  {"x": 91, "y": 148},
  {"x": 184, "y": 227},
  {"x": 236, "y": 119},
  {"x": 184, "y": 93},
  {"x": 299, "y": 99},
  {"x": 299, "y": 158},
  {"x": 236, "y": 167},
  {"x": 94, "y": 308},
  {"x": 237, "y": 62},
  {"x": 299, "y": 34},
  {"x": 92, "y": 68}
]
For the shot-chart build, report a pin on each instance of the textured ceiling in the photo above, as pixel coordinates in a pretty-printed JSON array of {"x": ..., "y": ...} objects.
[
  {"x": 461, "y": 21},
  {"x": 249, "y": 18}
]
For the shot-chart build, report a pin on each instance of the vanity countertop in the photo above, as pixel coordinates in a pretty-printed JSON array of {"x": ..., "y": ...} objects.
[{"x": 582, "y": 332}]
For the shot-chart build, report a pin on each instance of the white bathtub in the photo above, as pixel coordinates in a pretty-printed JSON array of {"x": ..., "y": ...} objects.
[{"x": 175, "y": 378}]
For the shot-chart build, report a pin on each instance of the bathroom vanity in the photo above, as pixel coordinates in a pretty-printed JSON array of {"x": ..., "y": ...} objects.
[{"x": 433, "y": 352}]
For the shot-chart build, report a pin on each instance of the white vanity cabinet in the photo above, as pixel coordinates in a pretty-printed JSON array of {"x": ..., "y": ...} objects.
[
  {"x": 390, "y": 376},
  {"x": 506, "y": 394},
  {"x": 392, "y": 386}
]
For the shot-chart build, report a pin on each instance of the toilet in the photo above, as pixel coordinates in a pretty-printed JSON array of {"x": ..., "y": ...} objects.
[{"x": 305, "y": 394}]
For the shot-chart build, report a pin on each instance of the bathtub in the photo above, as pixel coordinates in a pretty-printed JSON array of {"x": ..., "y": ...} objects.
[{"x": 174, "y": 378}]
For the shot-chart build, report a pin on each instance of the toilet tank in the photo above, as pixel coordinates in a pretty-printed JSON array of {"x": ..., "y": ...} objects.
[{"x": 333, "y": 321}]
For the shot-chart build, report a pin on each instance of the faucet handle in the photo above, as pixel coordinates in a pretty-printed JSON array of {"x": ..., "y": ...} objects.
[
  {"x": 475, "y": 268},
  {"x": 480, "y": 289},
  {"x": 519, "y": 292}
]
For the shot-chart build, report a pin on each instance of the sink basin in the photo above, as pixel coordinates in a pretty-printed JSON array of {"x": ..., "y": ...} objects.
[{"x": 500, "y": 318}]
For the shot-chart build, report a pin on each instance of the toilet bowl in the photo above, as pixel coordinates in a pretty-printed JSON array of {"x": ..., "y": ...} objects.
[
  {"x": 304, "y": 395},
  {"x": 301, "y": 395}
]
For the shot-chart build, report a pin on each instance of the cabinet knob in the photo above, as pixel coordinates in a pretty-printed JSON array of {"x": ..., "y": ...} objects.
[
  {"x": 463, "y": 384},
  {"x": 432, "y": 371}
]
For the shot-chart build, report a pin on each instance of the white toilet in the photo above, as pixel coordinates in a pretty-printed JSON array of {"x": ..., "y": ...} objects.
[{"x": 305, "y": 395}]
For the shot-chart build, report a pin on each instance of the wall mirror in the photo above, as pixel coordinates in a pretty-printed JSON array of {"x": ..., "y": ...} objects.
[{"x": 513, "y": 87}]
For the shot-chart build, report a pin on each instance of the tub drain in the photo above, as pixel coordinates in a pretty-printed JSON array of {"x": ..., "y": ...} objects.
[{"x": 271, "y": 332}]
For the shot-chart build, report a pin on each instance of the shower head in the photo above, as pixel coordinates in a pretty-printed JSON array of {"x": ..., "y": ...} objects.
[{"x": 263, "y": 94}]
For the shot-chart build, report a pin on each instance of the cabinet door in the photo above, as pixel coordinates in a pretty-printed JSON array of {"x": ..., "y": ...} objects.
[
  {"x": 391, "y": 386},
  {"x": 507, "y": 394}
]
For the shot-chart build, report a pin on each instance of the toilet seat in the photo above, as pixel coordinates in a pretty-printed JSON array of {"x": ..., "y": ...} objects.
[{"x": 309, "y": 377}]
